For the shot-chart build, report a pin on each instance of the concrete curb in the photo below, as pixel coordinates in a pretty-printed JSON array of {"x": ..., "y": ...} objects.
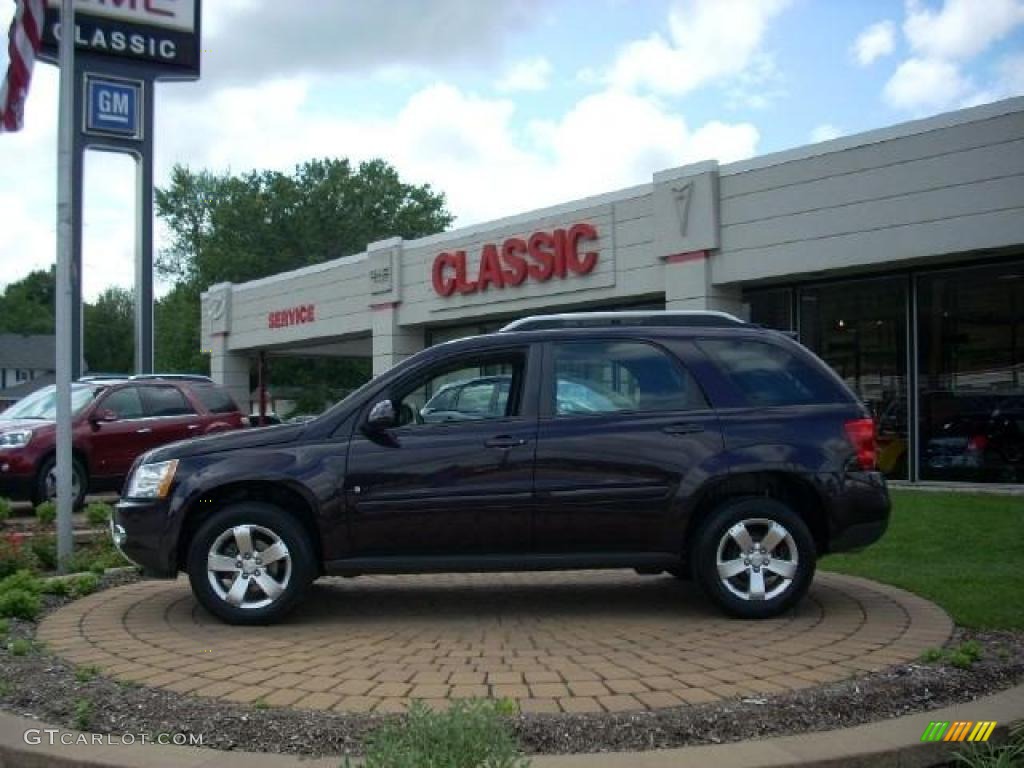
[{"x": 895, "y": 742}]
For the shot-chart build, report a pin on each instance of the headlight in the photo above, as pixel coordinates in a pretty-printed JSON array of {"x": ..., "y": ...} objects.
[
  {"x": 152, "y": 481},
  {"x": 16, "y": 438}
]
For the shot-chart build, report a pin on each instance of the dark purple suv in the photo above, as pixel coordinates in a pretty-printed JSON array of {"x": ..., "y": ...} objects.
[{"x": 697, "y": 445}]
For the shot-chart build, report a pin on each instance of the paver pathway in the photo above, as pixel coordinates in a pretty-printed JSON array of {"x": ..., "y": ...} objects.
[{"x": 585, "y": 641}]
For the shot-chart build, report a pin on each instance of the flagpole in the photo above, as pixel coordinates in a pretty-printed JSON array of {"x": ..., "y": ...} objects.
[{"x": 65, "y": 234}]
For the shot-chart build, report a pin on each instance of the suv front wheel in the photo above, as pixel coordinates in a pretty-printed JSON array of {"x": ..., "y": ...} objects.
[
  {"x": 754, "y": 557},
  {"x": 250, "y": 563}
]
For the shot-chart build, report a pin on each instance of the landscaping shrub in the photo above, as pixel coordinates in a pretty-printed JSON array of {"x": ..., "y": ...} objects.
[
  {"x": 58, "y": 587},
  {"x": 5, "y": 508},
  {"x": 46, "y": 513},
  {"x": 44, "y": 549},
  {"x": 23, "y": 580},
  {"x": 13, "y": 556},
  {"x": 20, "y": 604},
  {"x": 84, "y": 584},
  {"x": 20, "y": 647},
  {"x": 83, "y": 714},
  {"x": 97, "y": 514},
  {"x": 471, "y": 734}
]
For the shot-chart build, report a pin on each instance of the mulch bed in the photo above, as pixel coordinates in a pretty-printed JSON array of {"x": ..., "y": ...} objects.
[{"x": 44, "y": 687}]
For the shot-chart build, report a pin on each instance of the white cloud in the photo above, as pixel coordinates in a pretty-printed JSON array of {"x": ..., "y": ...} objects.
[
  {"x": 708, "y": 40},
  {"x": 257, "y": 39},
  {"x": 825, "y": 132},
  {"x": 961, "y": 29},
  {"x": 531, "y": 74},
  {"x": 873, "y": 43},
  {"x": 921, "y": 85}
]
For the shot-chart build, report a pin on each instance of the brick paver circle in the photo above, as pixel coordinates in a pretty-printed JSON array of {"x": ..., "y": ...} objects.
[{"x": 585, "y": 641}]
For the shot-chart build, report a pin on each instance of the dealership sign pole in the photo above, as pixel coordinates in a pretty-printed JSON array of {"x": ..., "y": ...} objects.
[
  {"x": 110, "y": 53},
  {"x": 64, "y": 303}
]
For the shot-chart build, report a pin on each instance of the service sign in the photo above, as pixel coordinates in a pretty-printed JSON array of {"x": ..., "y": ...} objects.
[{"x": 159, "y": 32}]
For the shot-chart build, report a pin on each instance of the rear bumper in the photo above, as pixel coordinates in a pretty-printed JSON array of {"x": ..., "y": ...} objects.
[
  {"x": 861, "y": 511},
  {"x": 141, "y": 527}
]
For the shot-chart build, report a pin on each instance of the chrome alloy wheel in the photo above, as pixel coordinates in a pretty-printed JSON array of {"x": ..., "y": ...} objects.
[
  {"x": 757, "y": 559},
  {"x": 51, "y": 484},
  {"x": 249, "y": 566}
]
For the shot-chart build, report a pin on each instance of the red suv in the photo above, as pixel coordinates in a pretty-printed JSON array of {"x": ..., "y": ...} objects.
[{"x": 114, "y": 421}]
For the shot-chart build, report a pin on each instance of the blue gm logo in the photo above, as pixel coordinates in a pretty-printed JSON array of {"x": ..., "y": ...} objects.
[{"x": 114, "y": 107}]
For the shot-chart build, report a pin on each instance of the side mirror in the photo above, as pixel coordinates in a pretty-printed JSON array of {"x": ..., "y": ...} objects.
[
  {"x": 382, "y": 416},
  {"x": 103, "y": 414}
]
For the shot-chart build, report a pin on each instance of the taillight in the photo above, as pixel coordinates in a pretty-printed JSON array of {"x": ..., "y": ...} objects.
[
  {"x": 862, "y": 434},
  {"x": 978, "y": 443}
]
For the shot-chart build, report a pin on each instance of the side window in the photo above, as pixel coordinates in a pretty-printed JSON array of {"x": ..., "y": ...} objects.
[
  {"x": 215, "y": 399},
  {"x": 165, "y": 401},
  {"x": 767, "y": 374},
  {"x": 124, "y": 402},
  {"x": 613, "y": 376},
  {"x": 467, "y": 391}
]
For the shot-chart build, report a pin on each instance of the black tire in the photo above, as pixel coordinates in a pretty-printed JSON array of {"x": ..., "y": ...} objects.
[
  {"x": 265, "y": 522},
  {"x": 40, "y": 492},
  {"x": 793, "y": 554}
]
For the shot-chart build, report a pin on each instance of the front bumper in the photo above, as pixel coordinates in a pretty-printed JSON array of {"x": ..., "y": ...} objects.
[
  {"x": 141, "y": 527},
  {"x": 17, "y": 475}
]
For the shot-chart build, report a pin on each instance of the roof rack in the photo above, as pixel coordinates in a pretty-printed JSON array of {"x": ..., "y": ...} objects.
[
  {"x": 172, "y": 376},
  {"x": 662, "y": 318}
]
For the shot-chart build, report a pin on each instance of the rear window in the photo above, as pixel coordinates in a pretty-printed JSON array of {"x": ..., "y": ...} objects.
[
  {"x": 215, "y": 400},
  {"x": 767, "y": 374}
]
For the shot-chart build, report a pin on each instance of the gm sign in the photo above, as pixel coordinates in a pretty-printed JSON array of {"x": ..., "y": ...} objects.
[
  {"x": 164, "y": 33},
  {"x": 113, "y": 107}
]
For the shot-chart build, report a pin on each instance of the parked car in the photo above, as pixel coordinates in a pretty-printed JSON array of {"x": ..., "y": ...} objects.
[
  {"x": 114, "y": 421},
  {"x": 721, "y": 452},
  {"x": 982, "y": 442}
]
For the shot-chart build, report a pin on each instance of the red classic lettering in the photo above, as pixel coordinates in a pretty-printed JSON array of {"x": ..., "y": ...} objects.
[
  {"x": 512, "y": 252},
  {"x": 490, "y": 268},
  {"x": 579, "y": 232},
  {"x": 540, "y": 257},
  {"x": 443, "y": 286}
]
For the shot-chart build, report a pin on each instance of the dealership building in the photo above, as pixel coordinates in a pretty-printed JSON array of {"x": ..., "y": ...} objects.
[{"x": 897, "y": 255}]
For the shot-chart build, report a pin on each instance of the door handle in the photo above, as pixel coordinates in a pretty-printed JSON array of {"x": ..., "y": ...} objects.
[
  {"x": 193, "y": 426},
  {"x": 505, "y": 441},
  {"x": 683, "y": 429},
  {"x": 143, "y": 431}
]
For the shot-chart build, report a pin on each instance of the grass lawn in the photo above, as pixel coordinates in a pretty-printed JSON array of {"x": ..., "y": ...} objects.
[{"x": 963, "y": 551}]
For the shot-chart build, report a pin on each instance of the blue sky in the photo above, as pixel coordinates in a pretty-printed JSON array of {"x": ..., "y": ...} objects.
[{"x": 509, "y": 105}]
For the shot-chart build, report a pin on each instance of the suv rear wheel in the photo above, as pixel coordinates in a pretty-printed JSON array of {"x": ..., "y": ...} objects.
[
  {"x": 754, "y": 557},
  {"x": 250, "y": 563}
]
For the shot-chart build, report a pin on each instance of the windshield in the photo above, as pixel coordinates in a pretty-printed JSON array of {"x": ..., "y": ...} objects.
[{"x": 42, "y": 404}]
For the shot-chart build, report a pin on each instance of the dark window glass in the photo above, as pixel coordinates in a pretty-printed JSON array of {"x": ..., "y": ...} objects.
[
  {"x": 215, "y": 400},
  {"x": 165, "y": 401},
  {"x": 859, "y": 328},
  {"x": 767, "y": 374},
  {"x": 970, "y": 328},
  {"x": 615, "y": 376},
  {"x": 124, "y": 402},
  {"x": 772, "y": 309},
  {"x": 468, "y": 391}
]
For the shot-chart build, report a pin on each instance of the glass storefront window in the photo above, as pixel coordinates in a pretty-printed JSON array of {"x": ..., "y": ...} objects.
[
  {"x": 772, "y": 308},
  {"x": 859, "y": 328},
  {"x": 970, "y": 327}
]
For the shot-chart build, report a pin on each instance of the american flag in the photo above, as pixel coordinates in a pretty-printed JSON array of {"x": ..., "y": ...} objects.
[{"x": 25, "y": 38}]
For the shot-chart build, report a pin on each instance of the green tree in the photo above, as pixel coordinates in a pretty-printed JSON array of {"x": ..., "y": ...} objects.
[
  {"x": 237, "y": 228},
  {"x": 109, "y": 331},
  {"x": 26, "y": 306}
]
